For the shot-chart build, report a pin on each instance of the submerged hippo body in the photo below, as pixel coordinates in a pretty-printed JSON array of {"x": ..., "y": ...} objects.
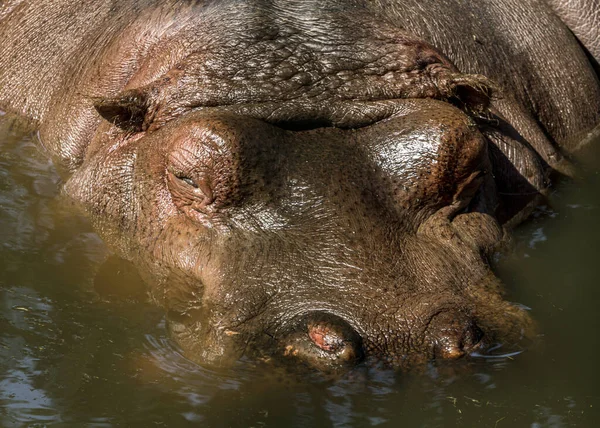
[{"x": 316, "y": 180}]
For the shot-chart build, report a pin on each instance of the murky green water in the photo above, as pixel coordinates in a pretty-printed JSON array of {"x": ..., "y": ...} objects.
[{"x": 73, "y": 355}]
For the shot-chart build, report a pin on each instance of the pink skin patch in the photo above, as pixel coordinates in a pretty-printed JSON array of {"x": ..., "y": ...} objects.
[{"x": 324, "y": 337}]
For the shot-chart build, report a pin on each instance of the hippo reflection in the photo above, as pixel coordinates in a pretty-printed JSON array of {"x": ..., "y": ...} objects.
[{"x": 313, "y": 181}]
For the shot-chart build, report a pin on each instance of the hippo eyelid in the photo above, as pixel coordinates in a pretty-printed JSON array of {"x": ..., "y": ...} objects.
[
  {"x": 181, "y": 176},
  {"x": 188, "y": 181}
]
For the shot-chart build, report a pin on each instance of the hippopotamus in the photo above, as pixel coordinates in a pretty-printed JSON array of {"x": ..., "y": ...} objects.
[{"x": 321, "y": 182}]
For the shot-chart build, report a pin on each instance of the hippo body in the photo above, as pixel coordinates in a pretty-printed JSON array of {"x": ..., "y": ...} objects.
[{"x": 321, "y": 181}]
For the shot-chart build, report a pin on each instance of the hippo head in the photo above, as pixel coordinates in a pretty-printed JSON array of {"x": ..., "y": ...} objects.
[{"x": 291, "y": 197}]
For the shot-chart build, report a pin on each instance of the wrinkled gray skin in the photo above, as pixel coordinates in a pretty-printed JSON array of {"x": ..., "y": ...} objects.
[
  {"x": 582, "y": 17},
  {"x": 316, "y": 181}
]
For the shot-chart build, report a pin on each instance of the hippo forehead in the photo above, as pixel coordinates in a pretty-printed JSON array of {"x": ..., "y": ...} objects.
[
  {"x": 309, "y": 58},
  {"x": 291, "y": 51}
]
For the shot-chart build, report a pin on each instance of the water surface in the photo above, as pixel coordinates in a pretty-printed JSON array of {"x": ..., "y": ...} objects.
[{"x": 79, "y": 352}]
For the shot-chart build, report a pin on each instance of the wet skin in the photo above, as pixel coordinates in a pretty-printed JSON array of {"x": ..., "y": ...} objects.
[{"x": 311, "y": 183}]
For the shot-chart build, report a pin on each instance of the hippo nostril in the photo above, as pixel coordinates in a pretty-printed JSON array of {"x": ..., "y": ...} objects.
[
  {"x": 457, "y": 338},
  {"x": 472, "y": 337},
  {"x": 326, "y": 342},
  {"x": 325, "y": 337},
  {"x": 343, "y": 343}
]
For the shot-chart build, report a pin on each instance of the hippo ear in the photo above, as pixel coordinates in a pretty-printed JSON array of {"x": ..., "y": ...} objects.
[
  {"x": 471, "y": 92},
  {"x": 127, "y": 110}
]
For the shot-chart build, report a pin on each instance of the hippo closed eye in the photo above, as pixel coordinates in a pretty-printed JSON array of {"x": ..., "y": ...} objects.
[{"x": 312, "y": 182}]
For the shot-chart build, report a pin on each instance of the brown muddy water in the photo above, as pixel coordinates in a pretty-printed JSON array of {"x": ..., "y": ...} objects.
[{"x": 74, "y": 354}]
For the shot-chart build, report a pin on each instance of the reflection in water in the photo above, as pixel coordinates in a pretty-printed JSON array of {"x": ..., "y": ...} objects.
[
  {"x": 22, "y": 310},
  {"x": 73, "y": 352}
]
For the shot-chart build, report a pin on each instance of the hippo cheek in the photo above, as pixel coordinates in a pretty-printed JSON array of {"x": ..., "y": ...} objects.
[{"x": 104, "y": 187}]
